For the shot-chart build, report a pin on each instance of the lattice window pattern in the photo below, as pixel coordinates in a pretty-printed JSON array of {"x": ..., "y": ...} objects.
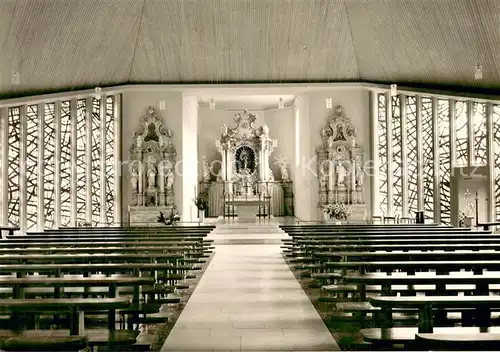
[
  {"x": 81, "y": 159},
  {"x": 13, "y": 168},
  {"x": 461, "y": 132},
  {"x": 48, "y": 167},
  {"x": 382, "y": 152},
  {"x": 412, "y": 158},
  {"x": 479, "y": 123},
  {"x": 496, "y": 151},
  {"x": 96, "y": 161},
  {"x": 31, "y": 166},
  {"x": 428, "y": 157},
  {"x": 65, "y": 176},
  {"x": 109, "y": 152},
  {"x": 397, "y": 162},
  {"x": 444, "y": 159}
]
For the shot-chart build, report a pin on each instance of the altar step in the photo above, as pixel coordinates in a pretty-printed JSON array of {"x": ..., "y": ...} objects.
[{"x": 232, "y": 232}]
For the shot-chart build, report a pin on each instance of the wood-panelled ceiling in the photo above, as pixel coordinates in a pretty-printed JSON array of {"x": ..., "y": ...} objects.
[{"x": 70, "y": 44}]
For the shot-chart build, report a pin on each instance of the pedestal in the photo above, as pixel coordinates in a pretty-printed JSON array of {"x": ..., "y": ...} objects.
[{"x": 148, "y": 216}]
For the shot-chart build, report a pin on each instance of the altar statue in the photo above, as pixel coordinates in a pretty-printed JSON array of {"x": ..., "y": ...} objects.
[
  {"x": 284, "y": 172},
  {"x": 244, "y": 159},
  {"x": 170, "y": 179},
  {"x": 151, "y": 176},
  {"x": 323, "y": 177},
  {"x": 224, "y": 130},
  {"x": 270, "y": 177},
  {"x": 359, "y": 175},
  {"x": 206, "y": 170},
  {"x": 134, "y": 177},
  {"x": 340, "y": 170}
]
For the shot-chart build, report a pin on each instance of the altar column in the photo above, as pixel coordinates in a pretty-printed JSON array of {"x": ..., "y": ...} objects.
[{"x": 161, "y": 183}]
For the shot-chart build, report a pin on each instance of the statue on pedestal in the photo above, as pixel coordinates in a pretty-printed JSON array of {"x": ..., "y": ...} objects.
[
  {"x": 134, "y": 177},
  {"x": 151, "y": 176},
  {"x": 284, "y": 172},
  {"x": 206, "y": 170},
  {"x": 359, "y": 175},
  {"x": 340, "y": 171},
  {"x": 170, "y": 179}
]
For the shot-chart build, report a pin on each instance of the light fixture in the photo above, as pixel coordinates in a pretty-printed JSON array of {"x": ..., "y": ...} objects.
[
  {"x": 478, "y": 72},
  {"x": 15, "y": 79},
  {"x": 281, "y": 104},
  {"x": 328, "y": 102},
  {"x": 211, "y": 104},
  {"x": 162, "y": 104},
  {"x": 394, "y": 90},
  {"x": 97, "y": 92}
]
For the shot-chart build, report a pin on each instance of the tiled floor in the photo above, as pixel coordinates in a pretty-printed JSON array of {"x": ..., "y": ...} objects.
[{"x": 248, "y": 299}]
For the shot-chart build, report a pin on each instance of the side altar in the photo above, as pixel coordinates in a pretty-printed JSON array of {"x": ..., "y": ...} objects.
[
  {"x": 151, "y": 171},
  {"x": 245, "y": 185},
  {"x": 340, "y": 166}
]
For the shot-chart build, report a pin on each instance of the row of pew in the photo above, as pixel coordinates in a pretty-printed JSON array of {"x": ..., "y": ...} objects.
[
  {"x": 407, "y": 286},
  {"x": 94, "y": 288}
]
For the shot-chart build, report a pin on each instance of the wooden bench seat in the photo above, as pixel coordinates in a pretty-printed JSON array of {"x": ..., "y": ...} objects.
[
  {"x": 459, "y": 341},
  {"x": 406, "y": 336},
  {"x": 43, "y": 341}
]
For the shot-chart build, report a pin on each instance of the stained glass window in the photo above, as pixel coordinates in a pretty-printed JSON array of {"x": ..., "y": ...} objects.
[
  {"x": 428, "y": 157},
  {"x": 382, "y": 153},
  {"x": 13, "y": 156},
  {"x": 32, "y": 188},
  {"x": 444, "y": 159},
  {"x": 412, "y": 159},
  {"x": 65, "y": 163},
  {"x": 479, "y": 122},
  {"x": 110, "y": 159},
  {"x": 461, "y": 131},
  {"x": 48, "y": 167}
]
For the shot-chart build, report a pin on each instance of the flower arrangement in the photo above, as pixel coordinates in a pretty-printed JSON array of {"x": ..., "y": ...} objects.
[
  {"x": 171, "y": 220},
  {"x": 336, "y": 211},
  {"x": 201, "y": 201}
]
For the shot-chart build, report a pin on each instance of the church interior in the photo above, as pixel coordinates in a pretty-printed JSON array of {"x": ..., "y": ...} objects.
[{"x": 249, "y": 175}]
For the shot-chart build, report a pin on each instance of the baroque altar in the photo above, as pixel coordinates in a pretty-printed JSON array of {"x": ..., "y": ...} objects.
[
  {"x": 340, "y": 166},
  {"x": 151, "y": 170},
  {"x": 245, "y": 183}
]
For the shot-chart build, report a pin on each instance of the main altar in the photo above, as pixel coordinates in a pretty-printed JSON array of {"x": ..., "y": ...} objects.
[
  {"x": 151, "y": 171},
  {"x": 245, "y": 185},
  {"x": 340, "y": 166}
]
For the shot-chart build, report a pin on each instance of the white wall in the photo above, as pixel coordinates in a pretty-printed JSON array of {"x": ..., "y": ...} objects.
[
  {"x": 190, "y": 157},
  {"x": 134, "y": 105}
]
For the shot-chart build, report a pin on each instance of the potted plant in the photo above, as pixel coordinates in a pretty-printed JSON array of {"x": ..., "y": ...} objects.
[
  {"x": 201, "y": 203},
  {"x": 336, "y": 212}
]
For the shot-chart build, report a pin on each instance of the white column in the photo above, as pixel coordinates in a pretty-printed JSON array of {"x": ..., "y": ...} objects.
[
  {"x": 435, "y": 146},
  {"x": 57, "y": 165},
  {"x": 490, "y": 157},
  {"x": 374, "y": 172},
  {"x": 73, "y": 161},
  {"x": 420, "y": 156},
  {"x": 404, "y": 156},
  {"x": 22, "y": 171},
  {"x": 388, "y": 119},
  {"x": 88, "y": 159},
  {"x": 118, "y": 157},
  {"x": 189, "y": 157},
  {"x": 102, "y": 177},
  {"x": 4, "y": 168},
  {"x": 41, "y": 167}
]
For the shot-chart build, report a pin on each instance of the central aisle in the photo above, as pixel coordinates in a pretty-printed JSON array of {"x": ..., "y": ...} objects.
[{"x": 248, "y": 299}]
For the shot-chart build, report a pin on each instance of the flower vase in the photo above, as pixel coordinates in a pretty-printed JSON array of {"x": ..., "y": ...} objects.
[{"x": 201, "y": 215}]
